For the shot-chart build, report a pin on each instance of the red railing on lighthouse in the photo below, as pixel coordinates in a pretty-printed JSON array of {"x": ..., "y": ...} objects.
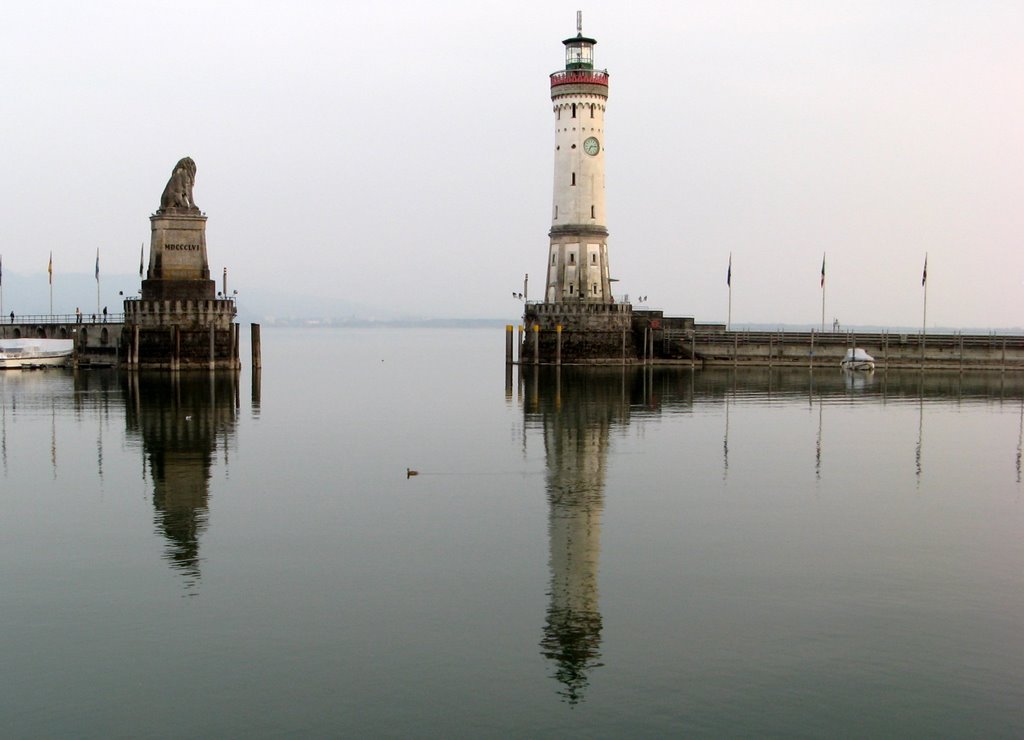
[{"x": 579, "y": 77}]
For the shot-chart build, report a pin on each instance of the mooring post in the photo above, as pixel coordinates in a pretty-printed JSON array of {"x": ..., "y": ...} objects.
[
  {"x": 135, "y": 346},
  {"x": 213, "y": 347},
  {"x": 254, "y": 334},
  {"x": 508, "y": 344},
  {"x": 558, "y": 344},
  {"x": 536, "y": 344}
]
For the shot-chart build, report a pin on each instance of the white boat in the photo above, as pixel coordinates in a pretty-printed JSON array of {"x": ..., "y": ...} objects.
[
  {"x": 19, "y": 353},
  {"x": 857, "y": 359}
]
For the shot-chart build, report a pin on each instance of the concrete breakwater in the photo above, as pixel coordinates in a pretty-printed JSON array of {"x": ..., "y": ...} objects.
[
  {"x": 890, "y": 349},
  {"x": 672, "y": 341}
]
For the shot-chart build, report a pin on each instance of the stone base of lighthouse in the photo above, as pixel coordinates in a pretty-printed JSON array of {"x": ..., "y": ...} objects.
[{"x": 590, "y": 332}]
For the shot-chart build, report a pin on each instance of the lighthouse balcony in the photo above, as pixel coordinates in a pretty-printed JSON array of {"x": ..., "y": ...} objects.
[{"x": 579, "y": 77}]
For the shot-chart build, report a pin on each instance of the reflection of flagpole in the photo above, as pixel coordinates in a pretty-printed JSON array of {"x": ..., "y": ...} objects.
[
  {"x": 1020, "y": 439},
  {"x": 725, "y": 442},
  {"x": 920, "y": 433},
  {"x": 3, "y": 443},
  {"x": 817, "y": 444}
]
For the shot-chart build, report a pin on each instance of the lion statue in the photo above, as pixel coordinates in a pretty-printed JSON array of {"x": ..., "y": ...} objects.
[{"x": 178, "y": 193}]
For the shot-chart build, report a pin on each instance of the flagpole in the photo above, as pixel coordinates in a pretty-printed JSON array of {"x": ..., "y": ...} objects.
[
  {"x": 823, "y": 293},
  {"x": 728, "y": 280},
  {"x": 97, "y": 281},
  {"x": 49, "y": 269},
  {"x": 924, "y": 312}
]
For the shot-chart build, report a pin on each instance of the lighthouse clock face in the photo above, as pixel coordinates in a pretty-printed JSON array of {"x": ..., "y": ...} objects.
[{"x": 591, "y": 146}]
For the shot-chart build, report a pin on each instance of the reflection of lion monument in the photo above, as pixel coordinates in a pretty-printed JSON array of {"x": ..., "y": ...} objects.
[{"x": 178, "y": 193}]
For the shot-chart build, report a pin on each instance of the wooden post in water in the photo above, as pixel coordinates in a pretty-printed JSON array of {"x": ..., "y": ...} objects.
[
  {"x": 254, "y": 334},
  {"x": 558, "y": 344},
  {"x": 508, "y": 344}
]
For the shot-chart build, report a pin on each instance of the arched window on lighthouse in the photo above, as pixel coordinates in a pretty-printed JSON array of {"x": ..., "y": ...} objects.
[
  {"x": 573, "y": 178},
  {"x": 574, "y": 110}
]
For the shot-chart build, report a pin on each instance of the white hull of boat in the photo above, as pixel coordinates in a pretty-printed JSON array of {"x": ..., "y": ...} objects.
[
  {"x": 28, "y": 353},
  {"x": 857, "y": 366}
]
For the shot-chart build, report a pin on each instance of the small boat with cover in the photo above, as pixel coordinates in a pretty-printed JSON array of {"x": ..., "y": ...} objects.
[{"x": 857, "y": 359}]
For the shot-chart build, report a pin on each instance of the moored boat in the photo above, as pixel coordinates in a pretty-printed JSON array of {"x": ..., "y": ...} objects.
[
  {"x": 857, "y": 359},
  {"x": 28, "y": 353}
]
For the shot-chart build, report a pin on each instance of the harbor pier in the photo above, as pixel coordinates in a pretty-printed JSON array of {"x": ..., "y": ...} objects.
[
  {"x": 98, "y": 338},
  {"x": 557, "y": 334}
]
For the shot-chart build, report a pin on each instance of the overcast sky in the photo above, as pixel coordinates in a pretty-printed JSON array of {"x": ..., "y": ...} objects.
[{"x": 399, "y": 155}]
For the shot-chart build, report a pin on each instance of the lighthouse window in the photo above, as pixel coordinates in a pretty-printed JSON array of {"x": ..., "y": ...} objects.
[
  {"x": 572, "y": 258},
  {"x": 593, "y": 259},
  {"x": 570, "y": 289},
  {"x": 552, "y": 259},
  {"x": 595, "y": 288},
  {"x": 574, "y": 110},
  {"x": 592, "y": 212},
  {"x": 591, "y": 111},
  {"x": 573, "y": 178}
]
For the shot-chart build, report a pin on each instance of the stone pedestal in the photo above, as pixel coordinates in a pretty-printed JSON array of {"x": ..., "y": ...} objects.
[{"x": 178, "y": 267}]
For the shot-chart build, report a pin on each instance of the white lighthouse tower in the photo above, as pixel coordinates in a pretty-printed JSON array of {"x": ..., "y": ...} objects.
[{"x": 577, "y": 269}]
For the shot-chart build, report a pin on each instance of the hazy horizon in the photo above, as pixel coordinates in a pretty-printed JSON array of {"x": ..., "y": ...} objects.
[{"x": 398, "y": 158}]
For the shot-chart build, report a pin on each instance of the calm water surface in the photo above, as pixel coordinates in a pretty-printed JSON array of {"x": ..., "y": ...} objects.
[{"x": 583, "y": 553}]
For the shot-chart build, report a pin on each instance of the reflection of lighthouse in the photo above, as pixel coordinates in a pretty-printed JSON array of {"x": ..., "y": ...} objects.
[
  {"x": 179, "y": 419},
  {"x": 576, "y": 425}
]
